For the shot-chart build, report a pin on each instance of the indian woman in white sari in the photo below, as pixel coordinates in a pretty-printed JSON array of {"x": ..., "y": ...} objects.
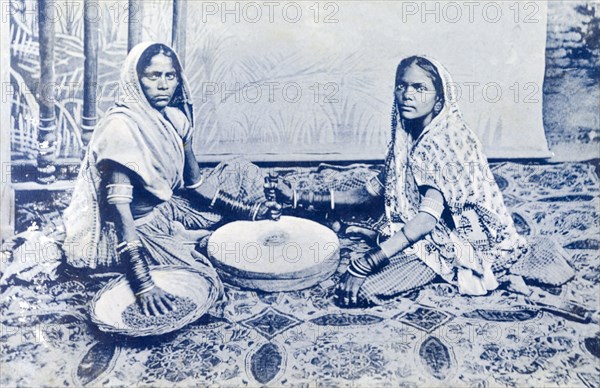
[
  {"x": 444, "y": 213},
  {"x": 127, "y": 210}
]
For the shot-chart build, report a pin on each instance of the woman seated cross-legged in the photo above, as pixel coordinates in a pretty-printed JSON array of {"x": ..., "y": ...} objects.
[
  {"x": 444, "y": 213},
  {"x": 127, "y": 211}
]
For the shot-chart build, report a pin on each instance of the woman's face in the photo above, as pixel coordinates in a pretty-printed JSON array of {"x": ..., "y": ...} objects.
[
  {"x": 159, "y": 81},
  {"x": 415, "y": 95}
]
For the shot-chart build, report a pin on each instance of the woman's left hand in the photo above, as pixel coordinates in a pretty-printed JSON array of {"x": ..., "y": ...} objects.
[
  {"x": 268, "y": 210},
  {"x": 347, "y": 290}
]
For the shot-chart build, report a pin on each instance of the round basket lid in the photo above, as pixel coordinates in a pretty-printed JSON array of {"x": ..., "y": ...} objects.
[
  {"x": 200, "y": 288},
  {"x": 288, "y": 249}
]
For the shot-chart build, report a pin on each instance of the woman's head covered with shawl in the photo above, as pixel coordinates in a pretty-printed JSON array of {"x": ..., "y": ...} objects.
[
  {"x": 132, "y": 94},
  {"x": 133, "y": 134},
  {"x": 446, "y": 155},
  {"x": 429, "y": 70},
  {"x": 416, "y": 100},
  {"x": 422, "y": 158}
]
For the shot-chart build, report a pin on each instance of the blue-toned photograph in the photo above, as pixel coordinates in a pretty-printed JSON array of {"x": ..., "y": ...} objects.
[{"x": 300, "y": 193}]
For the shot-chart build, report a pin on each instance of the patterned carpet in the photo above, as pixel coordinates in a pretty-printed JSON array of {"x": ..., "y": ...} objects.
[{"x": 430, "y": 337}]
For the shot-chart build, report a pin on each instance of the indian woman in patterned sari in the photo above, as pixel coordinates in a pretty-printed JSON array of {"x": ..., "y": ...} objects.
[
  {"x": 127, "y": 210},
  {"x": 444, "y": 213}
]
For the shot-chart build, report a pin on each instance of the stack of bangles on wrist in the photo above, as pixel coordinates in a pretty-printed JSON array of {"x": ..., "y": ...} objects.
[
  {"x": 132, "y": 253},
  {"x": 311, "y": 198},
  {"x": 224, "y": 201},
  {"x": 374, "y": 260}
]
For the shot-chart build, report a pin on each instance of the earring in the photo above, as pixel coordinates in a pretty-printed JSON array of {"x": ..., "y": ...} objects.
[{"x": 437, "y": 107}]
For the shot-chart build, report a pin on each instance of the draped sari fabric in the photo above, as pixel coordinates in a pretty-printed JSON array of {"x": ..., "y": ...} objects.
[
  {"x": 150, "y": 145},
  {"x": 477, "y": 233},
  {"x": 138, "y": 137}
]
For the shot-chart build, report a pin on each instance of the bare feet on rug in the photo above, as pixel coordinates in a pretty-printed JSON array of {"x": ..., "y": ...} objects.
[{"x": 360, "y": 232}]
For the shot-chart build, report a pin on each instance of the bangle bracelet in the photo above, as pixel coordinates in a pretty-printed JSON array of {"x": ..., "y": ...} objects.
[
  {"x": 138, "y": 273},
  {"x": 128, "y": 245},
  {"x": 121, "y": 245},
  {"x": 214, "y": 200},
  {"x": 149, "y": 288},
  {"x": 377, "y": 259},
  {"x": 352, "y": 272},
  {"x": 255, "y": 210},
  {"x": 295, "y": 199},
  {"x": 332, "y": 199},
  {"x": 410, "y": 241},
  {"x": 357, "y": 269},
  {"x": 197, "y": 184},
  {"x": 362, "y": 267}
]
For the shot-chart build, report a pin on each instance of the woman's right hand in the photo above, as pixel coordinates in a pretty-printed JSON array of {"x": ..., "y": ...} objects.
[
  {"x": 284, "y": 192},
  {"x": 156, "y": 302},
  {"x": 347, "y": 290}
]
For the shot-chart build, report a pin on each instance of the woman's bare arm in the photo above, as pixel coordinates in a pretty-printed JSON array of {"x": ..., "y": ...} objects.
[
  {"x": 352, "y": 197},
  {"x": 191, "y": 171},
  {"x": 371, "y": 191},
  {"x": 209, "y": 195},
  {"x": 151, "y": 299},
  {"x": 415, "y": 229},
  {"x": 123, "y": 217}
]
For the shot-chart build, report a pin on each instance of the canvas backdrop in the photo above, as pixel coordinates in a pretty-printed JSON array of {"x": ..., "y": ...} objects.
[
  {"x": 314, "y": 80},
  {"x": 307, "y": 80}
]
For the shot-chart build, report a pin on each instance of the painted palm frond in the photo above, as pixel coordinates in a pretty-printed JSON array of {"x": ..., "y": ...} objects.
[
  {"x": 69, "y": 133},
  {"x": 248, "y": 126},
  {"x": 204, "y": 135},
  {"x": 363, "y": 129},
  {"x": 110, "y": 29},
  {"x": 24, "y": 119},
  {"x": 157, "y": 20},
  {"x": 71, "y": 20},
  {"x": 23, "y": 43},
  {"x": 349, "y": 121},
  {"x": 24, "y": 114},
  {"x": 498, "y": 130},
  {"x": 277, "y": 68},
  {"x": 284, "y": 126}
]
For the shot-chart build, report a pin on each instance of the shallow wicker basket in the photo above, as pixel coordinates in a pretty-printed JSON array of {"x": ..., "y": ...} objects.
[{"x": 109, "y": 303}]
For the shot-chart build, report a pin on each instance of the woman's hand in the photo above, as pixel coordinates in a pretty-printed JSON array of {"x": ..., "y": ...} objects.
[
  {"x": 284, "y": 192},
  {"x": 268, "y": 211},
  {"x": 156, "y": 302},
  {"x": 347, "y": 290}
]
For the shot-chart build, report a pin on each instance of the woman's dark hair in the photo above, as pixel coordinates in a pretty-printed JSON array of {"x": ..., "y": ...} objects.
[
  {"x": 428, "y": 67},
  {"x": 153, "y": 51}
]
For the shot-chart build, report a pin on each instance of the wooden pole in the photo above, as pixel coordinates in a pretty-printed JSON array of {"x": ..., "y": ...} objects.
[
  {"x": 7, "y": 203},
  {"x": 179, "y": 28},
  {"x": 134, "y": 28},
  {"x": 91, "y": 17},
  {"x": 47, "y": 17}
]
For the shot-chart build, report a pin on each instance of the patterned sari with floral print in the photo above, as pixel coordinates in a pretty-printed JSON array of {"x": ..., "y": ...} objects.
[{"x": 476, "y": 235}]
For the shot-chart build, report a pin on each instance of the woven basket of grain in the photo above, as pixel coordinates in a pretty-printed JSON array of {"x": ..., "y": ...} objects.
[
  {"x": 289, "y": 254},
  {"x": 114, "y": 308}
]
